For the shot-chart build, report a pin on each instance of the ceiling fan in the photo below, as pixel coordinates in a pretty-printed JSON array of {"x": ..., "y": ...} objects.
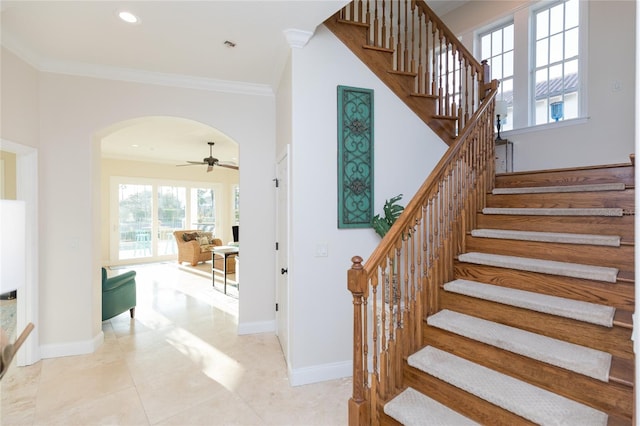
[{"x": 210, "y": 161}]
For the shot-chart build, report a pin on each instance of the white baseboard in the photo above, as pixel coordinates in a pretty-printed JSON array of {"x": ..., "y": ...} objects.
[
  {"x": 73, "y": 348},
  {"x": 257, "y": 327},
  {"x": 320, "y": 373}
]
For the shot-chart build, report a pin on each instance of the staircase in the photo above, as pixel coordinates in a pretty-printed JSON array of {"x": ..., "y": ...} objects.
[
  {"x": 535, "y": 327},
  {"x": 409, "y": 48},
  {"x": 496, "y": 300}
]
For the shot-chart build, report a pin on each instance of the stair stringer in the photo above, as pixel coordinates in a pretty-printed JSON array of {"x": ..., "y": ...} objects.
[{"x": 379, "y": 61}]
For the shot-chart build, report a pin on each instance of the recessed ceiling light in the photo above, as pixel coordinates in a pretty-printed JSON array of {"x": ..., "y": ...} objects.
[{"x": 128, "y": 17}]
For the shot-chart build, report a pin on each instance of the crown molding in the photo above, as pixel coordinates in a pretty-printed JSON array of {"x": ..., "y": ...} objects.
[
  {"x": 134, "y": 76},
  {"x": 297, "y": 38}
]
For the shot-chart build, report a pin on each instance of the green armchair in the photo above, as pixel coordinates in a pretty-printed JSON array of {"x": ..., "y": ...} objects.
[{"x": 118, "y": 294}]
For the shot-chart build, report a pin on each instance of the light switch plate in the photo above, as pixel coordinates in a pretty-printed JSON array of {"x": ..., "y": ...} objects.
[{"x": 322, "y": 250}]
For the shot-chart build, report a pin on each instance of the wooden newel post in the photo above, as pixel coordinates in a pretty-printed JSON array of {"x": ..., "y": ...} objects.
[
  {"x": 485, "y": 84},
  {"x": 356, "y": 283}
]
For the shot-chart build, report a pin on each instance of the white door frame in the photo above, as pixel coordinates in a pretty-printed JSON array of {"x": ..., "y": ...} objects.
[
  {"x": 27, "y": 302},
  {"x": 282, "y": 258}
]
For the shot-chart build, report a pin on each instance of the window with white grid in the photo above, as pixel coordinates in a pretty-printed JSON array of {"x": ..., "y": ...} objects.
[
  {"x": 556, "y": 78},
  {"x": 497, "y": 48}
]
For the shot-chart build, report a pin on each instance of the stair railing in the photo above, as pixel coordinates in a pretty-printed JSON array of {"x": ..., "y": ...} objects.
[
  {"x": 398, "y": 285},
  {"x": 424, "y": 47}
]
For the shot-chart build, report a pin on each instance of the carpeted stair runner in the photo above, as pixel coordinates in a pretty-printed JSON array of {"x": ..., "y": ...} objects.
[
  {"x": 412, "y": 408},
  {"x": 553, "y": 211},
  {"x": 576, "y": 270},
  {"x": 566, "y": 308},
  {"x": 583, "y": 360},
  {"x": 528, "y": 401},
  {"x": 548, "y": 237},
  {"x": 618, "y": 186}
]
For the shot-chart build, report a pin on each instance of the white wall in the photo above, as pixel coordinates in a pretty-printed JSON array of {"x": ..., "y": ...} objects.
[
  {"x": 405, "y": 152},
  {"x": 283, "y": 108},
  {"x": 18, "y": 100},
  {"x": 607, "y": 136}
]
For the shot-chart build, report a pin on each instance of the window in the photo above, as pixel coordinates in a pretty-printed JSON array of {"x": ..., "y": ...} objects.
[
  {"x": 172, "y": 206},
  {"x": 134, "y": 214},
  {"x": 204, "y": 215},
  {"x": 535, "y": 54},
  {"x": 497, "y": 48},
  {"x": 145, "y": 212},
  {"x": 556, "y": 62}
]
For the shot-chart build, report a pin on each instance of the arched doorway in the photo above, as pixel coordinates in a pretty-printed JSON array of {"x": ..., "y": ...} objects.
[{"x": 146, "y": 193}]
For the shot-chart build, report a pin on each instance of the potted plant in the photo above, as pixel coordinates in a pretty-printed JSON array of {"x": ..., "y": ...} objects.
[
  {"x": 392, "y": 211},
  {"x": 382, "y": 224}
]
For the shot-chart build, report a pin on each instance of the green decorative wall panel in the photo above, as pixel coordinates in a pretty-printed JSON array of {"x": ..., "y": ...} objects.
[{"x": 355, "y": 157}]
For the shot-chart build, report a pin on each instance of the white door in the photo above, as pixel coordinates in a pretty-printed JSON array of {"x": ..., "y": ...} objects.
[{"x": 282, "y": 254}]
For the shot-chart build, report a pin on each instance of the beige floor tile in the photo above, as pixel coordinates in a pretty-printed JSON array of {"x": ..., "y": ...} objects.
[
  {"x": 118, "y": 408},
  {"x": 58, "y": 369},
  {"x": 79, "y": 386},
  {"x": 173, "y": 393},
  {"x": 321, "y": 404},
  {"x": 228, "y": 410},
  {"x": 19, "y": 388},
  {"x": 179, "y": 362},
  {"x": 146, "y": 365}
]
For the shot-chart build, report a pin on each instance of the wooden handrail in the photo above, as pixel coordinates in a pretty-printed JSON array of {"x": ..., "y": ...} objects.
[
  {"x": 398, "y": 285},
  {"x": 433, "y": 179},
  {"x": 412, "y": 261}
]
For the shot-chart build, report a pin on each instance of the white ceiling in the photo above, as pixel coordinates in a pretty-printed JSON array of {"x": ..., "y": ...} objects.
[{"x": 176, "y": 41}]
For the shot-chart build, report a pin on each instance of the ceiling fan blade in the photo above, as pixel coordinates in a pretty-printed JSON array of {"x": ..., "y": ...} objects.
[
  {"x": 229, "y": 166},
  {"x": 191, "y": 163}
]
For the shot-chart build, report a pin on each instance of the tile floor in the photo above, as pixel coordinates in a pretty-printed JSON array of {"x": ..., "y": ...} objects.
[{"x": 180, "y": 362}]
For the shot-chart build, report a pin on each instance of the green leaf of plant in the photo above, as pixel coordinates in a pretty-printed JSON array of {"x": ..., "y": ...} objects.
[{"x": 391, "y": 213}]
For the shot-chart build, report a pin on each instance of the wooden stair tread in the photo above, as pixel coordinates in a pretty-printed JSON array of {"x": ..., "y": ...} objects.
[
  {"x": 560, "y": 211},
  {"x": 619, "y": 296},
  {"x": 553, "y": 305},
  {"x": 622, "y": 226},
  {"x": 413, "y": 407},
  {"x": 378, "y": 48},
  {"x": 445, "y": 117},
  {"x": 618, "y": 421},
  {"x": 524, "y": 399},
  {"x": 623, "y": 319},
  {"x": 614, "y": 186},
  {"x": 526, "y": 343},
  {"x": 354, "y": 23},
  {"x": 626, "y": 276},
  {"x": 621, "y": 371},
  {"x": 423, "y": 95},
  {"x": 623, "y": 172},
  {"x": 543, "y": 266},
  {"x": 403, "y": 73},
  {"x": 615, "y": 340},
  {"x": 589, "y": 199},
  {"x": 621, "y": 258}
]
